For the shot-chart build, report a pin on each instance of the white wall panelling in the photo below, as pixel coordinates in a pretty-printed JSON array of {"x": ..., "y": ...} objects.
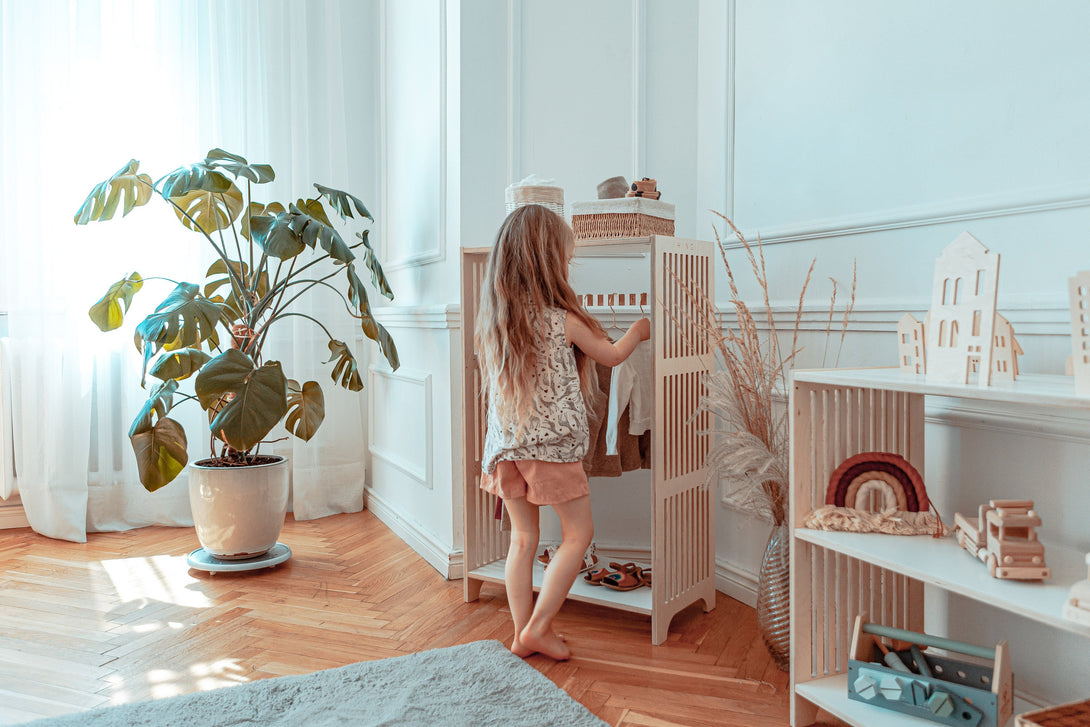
[
  {"x": 397, "y": 436},
  {"x": 961, "y": 211},
  {"x": 413, "y": 158}
]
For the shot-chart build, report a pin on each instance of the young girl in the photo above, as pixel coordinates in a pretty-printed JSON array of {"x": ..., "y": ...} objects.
[{"x": 536, "y": 346}]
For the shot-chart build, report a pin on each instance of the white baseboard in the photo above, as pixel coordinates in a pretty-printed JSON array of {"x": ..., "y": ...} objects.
[
  {"x": 738, "y": 583},
  {"x": 448, "y": 562},
  {"x": 13, "y": 516}
]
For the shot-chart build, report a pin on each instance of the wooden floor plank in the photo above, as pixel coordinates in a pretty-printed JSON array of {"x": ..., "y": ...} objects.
[{"x": 121, "y": 618}]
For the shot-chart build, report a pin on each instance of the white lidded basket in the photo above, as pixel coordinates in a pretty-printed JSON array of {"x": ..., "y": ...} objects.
[{"x": 534, "y": 190}]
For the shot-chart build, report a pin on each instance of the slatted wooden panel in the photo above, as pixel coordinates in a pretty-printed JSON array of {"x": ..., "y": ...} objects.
[
  {"x": 483, "y": 540},
  {"x": 683, "y": 537},
  {"x": 829, "y": 588}
]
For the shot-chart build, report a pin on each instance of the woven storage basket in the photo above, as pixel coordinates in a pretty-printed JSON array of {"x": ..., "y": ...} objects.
[
  {"x": 551, "y": 197},
  {"x": 624, "y": 217}
]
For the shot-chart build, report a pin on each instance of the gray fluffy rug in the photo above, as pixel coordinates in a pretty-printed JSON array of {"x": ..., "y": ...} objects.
[{"x": 476, "y": 684}]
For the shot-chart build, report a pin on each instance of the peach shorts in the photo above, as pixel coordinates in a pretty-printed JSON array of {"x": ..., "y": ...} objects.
[{"x": 541, "y": 483}]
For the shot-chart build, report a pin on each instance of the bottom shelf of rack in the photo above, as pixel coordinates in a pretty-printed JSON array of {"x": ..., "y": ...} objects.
[
  {"x": 831, "y": 694},
  {"x": 636, "y": 601}
]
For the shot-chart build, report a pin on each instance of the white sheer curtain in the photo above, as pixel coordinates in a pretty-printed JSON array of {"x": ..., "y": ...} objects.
[{"x": 85, "y": 86}]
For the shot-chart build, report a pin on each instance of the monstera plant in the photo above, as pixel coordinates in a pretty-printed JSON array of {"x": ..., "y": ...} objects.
[{"x": 268, "y": 256}]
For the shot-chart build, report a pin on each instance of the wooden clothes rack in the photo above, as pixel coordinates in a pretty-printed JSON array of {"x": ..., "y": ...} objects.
[{"x": 682, "y": 534}]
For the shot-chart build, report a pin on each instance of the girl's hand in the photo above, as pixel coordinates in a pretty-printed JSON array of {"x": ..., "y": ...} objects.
[{"x": 641, "y": 329}]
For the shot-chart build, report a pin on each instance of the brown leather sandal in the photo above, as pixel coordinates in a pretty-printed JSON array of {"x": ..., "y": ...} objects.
[
  {"x": 628, "y": 578},
  {"x": 595, "y": 576}
]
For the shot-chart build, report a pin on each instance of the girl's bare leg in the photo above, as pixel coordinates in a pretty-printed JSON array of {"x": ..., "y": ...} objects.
[
  {"x": 519, "y": 571},
  {"x": 577, "y": 532}
]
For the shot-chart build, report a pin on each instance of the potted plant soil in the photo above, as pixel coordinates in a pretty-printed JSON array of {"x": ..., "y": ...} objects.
[{"x": 268, "y": 257}]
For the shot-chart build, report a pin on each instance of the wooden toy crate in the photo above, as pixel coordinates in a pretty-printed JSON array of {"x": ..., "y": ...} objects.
[
  {"x": 1075, "y": 714},
  {"x": 943, "y": 690},
  {"x": 624, "y": 217}
]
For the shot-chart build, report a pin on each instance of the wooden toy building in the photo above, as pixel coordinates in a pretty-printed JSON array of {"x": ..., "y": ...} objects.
[
  {"x": 963, "y": 337},
  {"x": 682, "y": 537}
]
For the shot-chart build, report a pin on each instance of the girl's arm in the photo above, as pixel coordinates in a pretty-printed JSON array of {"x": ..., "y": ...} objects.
[{"x": 599, "y": 348}]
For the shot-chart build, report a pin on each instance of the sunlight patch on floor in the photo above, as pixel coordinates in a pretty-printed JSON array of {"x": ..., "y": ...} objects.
[{"x": 162, "y": 578}]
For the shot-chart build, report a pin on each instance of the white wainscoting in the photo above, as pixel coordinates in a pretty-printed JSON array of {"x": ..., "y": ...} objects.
[{"x": 395, "y": 439}]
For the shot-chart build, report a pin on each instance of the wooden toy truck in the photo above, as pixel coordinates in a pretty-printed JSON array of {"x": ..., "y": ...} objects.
[{"x": 1004, "y": 535}]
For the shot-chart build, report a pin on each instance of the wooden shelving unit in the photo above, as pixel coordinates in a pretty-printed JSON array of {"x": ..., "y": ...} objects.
[
  {"x": 835, "y": 576},
  {"x": 682, "y": 537}
]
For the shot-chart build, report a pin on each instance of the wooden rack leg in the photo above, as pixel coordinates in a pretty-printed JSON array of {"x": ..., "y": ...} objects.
[{"x": 472, "y": 590}]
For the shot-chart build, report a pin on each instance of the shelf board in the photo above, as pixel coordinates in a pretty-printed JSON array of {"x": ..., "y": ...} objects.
[
  {"x": 943, "y": 563},
  {"x": 611, "y": 246},
  {"x": 831, "y": 694},
  {"x": 1029, "y": 389},
  {"x": 636, "y": 601}
]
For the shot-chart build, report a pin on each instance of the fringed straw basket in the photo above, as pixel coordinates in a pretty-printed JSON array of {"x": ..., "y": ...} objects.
[{"x": 625, "y": 217}]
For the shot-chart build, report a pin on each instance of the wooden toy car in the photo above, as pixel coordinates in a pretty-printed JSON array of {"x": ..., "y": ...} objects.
[{"x": 1004, "y": 535}]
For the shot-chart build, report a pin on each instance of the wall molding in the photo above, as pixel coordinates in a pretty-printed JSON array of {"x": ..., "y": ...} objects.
[
  {"x": 438, "y": 252},
  {"x": 973, "y": 208},
  {"x": 514, "y": 90},
  {"x": 639, "y": 87},
  {"x": 1020, "y": 421},
  {"x": 421, "y": 473},
  {"x": 449, "y": 563},
  {"x": 1031, "y": 315},
  {"x": 730, "y": 39},
  {"x": 440, "y": 315}
]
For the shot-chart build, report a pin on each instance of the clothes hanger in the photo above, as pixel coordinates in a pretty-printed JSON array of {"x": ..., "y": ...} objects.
[{"x": 612, "y": 310}]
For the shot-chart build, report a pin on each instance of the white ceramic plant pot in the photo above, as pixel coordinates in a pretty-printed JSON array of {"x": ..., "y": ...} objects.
[{"x": 239, "y": 511}]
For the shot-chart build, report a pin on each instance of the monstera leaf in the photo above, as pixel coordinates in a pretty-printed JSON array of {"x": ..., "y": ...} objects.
[
  {"x": 238, "y": 166},
  {"x": 343, "y": 202},
  {"x": 284, "y": 235},
  {"x": 377, "y": 333},
  {"x": 233, "y": 307},
  {"x": 127, "y": 183},
  {"x": 259, "y": 398},
  {"x": 107, "y": 313},
  {"x": 345, "y": 371},
  {"x": 191, "y": 178},
  {"x": 357, "y": 295},
  {"x": 378, "y": 278},
  {"x": 255, "y": 209},
  {"x": 314, "y": 208},
  {"x": 160, "y": 453},
  {"x": 183, "y": 320},
  {"x": 306, "y": 409},
  {"x": 209, "y": 211},
  {"x": 158, "y": 441},
  {"x": 178, "y": 365}
]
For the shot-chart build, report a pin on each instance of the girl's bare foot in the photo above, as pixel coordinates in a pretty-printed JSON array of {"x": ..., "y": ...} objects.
[
  {"x": 521, "y": 651},
  {"x": 546, "y": 643}
]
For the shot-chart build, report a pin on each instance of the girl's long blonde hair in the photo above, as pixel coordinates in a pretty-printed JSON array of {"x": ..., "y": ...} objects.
[{"x": 527, "y": 272}]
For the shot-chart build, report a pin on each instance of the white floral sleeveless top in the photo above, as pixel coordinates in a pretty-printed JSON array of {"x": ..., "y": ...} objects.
[{"x": 557, "y": 430}]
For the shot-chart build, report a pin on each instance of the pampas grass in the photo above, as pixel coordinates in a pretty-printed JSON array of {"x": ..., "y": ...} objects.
[{"x": 749, "y": 456}]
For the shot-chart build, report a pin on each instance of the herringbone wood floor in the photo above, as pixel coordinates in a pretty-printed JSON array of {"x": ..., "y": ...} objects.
[{"x": 122, "y": 618}]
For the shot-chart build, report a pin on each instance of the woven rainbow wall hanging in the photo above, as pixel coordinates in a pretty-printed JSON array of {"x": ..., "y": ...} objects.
[{"x": 891, "y": 475}]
